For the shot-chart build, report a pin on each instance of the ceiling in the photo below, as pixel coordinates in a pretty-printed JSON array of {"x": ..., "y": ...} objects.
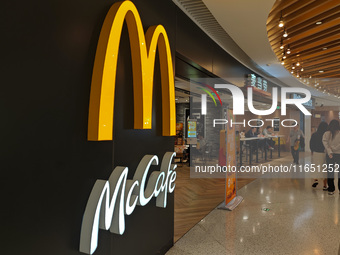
[
  {"x": 245, "y": 21},
  {"x": 313, "y": 28}
]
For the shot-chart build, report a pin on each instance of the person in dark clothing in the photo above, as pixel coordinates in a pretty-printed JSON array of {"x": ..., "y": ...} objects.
[
  {"x": 252, "y": 133},
  {"x": 318, "y": 151},
  {"x": 331, "y": 141}
]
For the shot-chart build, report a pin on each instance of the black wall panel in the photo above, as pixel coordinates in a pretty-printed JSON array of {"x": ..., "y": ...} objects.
[
  {"x": 226, "y": 66},
  {"x": 48, "y": 167},
  {"x": 149, "y": 230},
  {"x": 193, "y": 43}
]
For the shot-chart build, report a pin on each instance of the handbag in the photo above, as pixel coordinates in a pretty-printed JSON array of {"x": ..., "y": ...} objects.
[{"x": 297, "y": 144}]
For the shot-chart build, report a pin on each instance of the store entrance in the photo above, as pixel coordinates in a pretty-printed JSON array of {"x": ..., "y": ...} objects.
[{"x": 194, "y": 197}]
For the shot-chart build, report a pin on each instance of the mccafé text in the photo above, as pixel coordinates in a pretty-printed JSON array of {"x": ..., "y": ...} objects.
[{"x": 111, "y": 200}]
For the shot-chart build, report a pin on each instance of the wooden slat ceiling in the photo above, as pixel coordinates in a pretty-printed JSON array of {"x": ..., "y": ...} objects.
[{"x": 315, "y": 46}]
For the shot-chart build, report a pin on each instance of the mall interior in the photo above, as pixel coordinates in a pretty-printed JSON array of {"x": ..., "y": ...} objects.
[{"x": 178, "y": 127}]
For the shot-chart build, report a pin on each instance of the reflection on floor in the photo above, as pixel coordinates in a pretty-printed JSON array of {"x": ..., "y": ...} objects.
[
  {"x": 195, "y": 198},
  {"x": 277, "y": 216}
]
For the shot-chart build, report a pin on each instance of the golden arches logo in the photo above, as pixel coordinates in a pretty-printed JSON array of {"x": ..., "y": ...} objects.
[{"x": 143, "y": 52}]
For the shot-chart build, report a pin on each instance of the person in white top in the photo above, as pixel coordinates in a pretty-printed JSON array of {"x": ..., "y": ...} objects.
[{"x": 331, "y": 141}]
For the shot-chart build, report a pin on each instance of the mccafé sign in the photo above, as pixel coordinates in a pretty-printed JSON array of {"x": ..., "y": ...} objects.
[{"x": 110, "y": 200}]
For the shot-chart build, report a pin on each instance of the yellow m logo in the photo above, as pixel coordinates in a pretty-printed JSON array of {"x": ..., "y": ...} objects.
[{"x": 143, "y": 52}]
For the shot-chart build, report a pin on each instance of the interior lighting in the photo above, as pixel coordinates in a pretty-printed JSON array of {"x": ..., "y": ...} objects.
[
  {"x": 285, "y": 34},
  {"x": 281, "y": 23},
  {"x": 281, "y": 47},
  {"x": 288, "y": 49}
]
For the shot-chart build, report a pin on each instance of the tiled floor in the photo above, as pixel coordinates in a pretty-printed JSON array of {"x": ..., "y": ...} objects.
[{"x": 301, "y": 220}]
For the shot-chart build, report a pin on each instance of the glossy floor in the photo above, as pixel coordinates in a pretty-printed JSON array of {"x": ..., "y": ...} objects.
[{"x": 277, "y": 216}]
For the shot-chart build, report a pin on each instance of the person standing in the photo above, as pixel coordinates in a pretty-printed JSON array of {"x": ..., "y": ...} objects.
[
  {"x": 331, "y": 141},
  {"x": 318, "y": 151},
  {"x": 295, "y": 136}
]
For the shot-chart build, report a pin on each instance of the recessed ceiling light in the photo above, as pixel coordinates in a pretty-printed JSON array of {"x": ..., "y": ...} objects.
[
  {"x": 321, "y": 71},
  {"x": 325, "y": 48},
  {"x": 318, "y": 23}
]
